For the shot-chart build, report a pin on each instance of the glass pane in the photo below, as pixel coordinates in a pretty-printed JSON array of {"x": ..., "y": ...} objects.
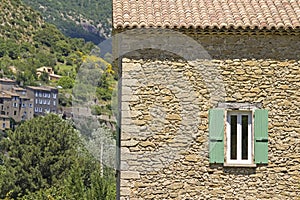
[
  {"x": 244, "y": 137},
  {"x": 233, "y": 133}
]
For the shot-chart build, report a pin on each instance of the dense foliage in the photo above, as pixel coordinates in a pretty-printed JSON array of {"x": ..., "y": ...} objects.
[
  {"x": 88, "y": 19},
  {"x": 44, "y": 158},
  {"x": 27, "y": 43}
]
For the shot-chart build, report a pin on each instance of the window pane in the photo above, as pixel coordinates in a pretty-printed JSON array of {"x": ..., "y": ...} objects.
[
  {"x": 233, "y": 140},
  {"x": 244, "y": 137}
]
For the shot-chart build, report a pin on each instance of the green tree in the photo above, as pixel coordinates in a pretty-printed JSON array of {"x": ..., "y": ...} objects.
[
  {"x": 45, "y": 157},
  {"x": 66, "y": 82}
]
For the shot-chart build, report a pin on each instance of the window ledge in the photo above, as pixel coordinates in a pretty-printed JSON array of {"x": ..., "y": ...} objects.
[{"x": 239, "y": 165}]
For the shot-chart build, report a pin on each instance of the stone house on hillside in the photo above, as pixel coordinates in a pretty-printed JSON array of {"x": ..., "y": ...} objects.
[
  {"x": 45, "y": 99},
  {"x": 209, "y": 99}
]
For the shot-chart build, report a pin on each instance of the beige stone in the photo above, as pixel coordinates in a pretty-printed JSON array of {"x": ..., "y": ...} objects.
[
  {"x": 130, "y": 175},
  {"x": 191, "y": 158},
  {"x": 147, "y": 144}
]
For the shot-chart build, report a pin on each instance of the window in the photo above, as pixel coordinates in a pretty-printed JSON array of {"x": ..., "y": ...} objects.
[
  {"x": 3, "y": 125},
  {"x": 41, "y": 101},
  {"x": 246, "y": 141},
  {"x": 54, "y": 103},
  {"x": 45, "y": 101},
  {"x": 23, "y": 105},
  {"x": 54, "y": 96},
  {"x": 36, "y": 101},
  {"x": 30, "y": 105},
  {"x": 15, "y": 112},
  {"x": 36, "y": 94},
  {"x": 239, "y": 138},
  {"x": 40, "y": 94},
  {"x": 48, "y": 102},
  {"x": 15, "y": 105},
  {"x": 36, "y": 109},
  {"x": 40, "y": 109}
]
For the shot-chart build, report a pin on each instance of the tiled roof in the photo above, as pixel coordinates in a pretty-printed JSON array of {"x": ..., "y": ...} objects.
[
  {"x": 220, "y": 14},
  {"x": 44, "y": 88}
]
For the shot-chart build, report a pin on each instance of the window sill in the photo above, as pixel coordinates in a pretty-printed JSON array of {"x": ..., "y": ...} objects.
[{"x": 239, "y": 165}]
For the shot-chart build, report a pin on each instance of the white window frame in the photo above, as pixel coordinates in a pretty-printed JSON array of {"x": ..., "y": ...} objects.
[{"x": 239, "y": 160}]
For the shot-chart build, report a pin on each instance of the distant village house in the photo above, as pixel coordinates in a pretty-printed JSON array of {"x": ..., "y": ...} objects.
[{"x": 21, "y": 104}]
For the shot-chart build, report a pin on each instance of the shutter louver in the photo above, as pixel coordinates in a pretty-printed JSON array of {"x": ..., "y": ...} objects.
[
  {"x": 216, "y": 136},
  {"x": 261, "y": 136}
]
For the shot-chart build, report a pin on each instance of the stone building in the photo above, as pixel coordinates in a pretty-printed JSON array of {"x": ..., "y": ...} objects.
[
  {"x": 7, "y": 84},
  {"x": 45, "y": 99},
  {"x": 209, "y": 99},
  {"x": 4, "y": 122},
  {"x": 49, "y": 71},
  {"x": 16, "y": 106}
]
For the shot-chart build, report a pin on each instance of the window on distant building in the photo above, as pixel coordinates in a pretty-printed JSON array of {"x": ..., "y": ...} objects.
[
  {"x": 23, "y": 105},
  {"x": 54, "y": 103},
  {"x": 3, "y": 125},
  {"x": 36, "y": 94},
  {"x": 15, "y": 112},
  {"x": 54, "y": 96},
  {"x": 36, "y": 109},
  {"x": 40, "y": 109},
  {"x": 15, "y": 105},
  {"x": 238, "y": 137},
  {"x": 30, "y": 105}
]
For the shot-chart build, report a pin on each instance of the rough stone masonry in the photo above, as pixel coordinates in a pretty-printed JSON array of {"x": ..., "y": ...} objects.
[{"x": 164, "y": 125}]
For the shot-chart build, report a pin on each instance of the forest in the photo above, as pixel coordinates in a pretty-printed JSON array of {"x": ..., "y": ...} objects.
[{"x": 87, "y": 19}]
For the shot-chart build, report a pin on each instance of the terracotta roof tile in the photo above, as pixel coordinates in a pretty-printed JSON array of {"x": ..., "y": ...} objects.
[{"x": 203, "y": 14}]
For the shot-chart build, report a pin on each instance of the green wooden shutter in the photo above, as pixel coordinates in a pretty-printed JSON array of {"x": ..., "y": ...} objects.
[
  {"x": 261, "y": 136},
  {"x": 216, "y": 135}
]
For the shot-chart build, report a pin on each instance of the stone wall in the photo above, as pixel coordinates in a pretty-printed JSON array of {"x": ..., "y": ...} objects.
[{"x": 164, "y": 126}]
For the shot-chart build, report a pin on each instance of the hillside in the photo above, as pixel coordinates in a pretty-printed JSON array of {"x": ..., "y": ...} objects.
[
  {"x": 27, "y": 43},
  {"x": 88, "y": 19}
]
